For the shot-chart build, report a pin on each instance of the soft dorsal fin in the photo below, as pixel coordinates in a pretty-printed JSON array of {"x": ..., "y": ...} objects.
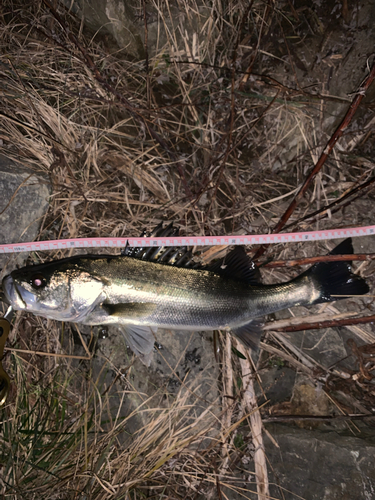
[
  {"x": 238, "y": 266},
  {"x": 344, "y": 248}
]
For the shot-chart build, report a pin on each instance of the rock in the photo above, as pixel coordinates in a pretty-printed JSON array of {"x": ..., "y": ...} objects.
[
  {"x": 186, "y": 356},
  {"x": 309, "y": 398},
  {"x": 184, "y": 367},
  {"x": 116, "y": 17},
  {"x": 24, "y": 201},
  {"x": 326, "y": 346},
  {"x": 318, "y": 465},
  {"x": 124, "y": 21},
  {"x": 277, "y": 384}
]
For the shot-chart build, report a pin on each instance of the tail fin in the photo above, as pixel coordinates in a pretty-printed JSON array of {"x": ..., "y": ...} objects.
[{"x": 335, "y": 279}]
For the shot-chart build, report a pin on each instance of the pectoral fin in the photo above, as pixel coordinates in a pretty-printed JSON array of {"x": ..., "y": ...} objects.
[
  {"x": 130, "y": 309},
  {"x": 250, "y": 333},
  {"x": 140, "y": 339}
]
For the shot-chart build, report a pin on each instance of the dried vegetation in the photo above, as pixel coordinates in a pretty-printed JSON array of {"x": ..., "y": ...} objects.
[{"x": 210, "y": 133}]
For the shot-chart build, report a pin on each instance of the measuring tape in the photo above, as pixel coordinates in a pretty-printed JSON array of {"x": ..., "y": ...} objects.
[{"x": 178, "y": 241}]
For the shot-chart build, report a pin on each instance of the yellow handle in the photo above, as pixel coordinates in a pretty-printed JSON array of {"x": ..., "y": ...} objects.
[{"x": 4, "y": 379}]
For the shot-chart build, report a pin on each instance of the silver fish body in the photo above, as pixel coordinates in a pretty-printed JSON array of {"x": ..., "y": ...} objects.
[
  {"x": 84, "y": 289},
  {"x": 143, "y": 296}
]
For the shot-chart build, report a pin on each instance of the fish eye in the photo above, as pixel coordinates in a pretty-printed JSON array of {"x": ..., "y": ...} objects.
[{"x": 38, "y": 281}]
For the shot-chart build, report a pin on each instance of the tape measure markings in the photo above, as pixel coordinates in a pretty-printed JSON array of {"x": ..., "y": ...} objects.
[{"x": 249, "y": 239}]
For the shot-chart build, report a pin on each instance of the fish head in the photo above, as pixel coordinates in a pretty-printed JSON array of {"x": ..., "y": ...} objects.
[{"x": 62, "y": 290}]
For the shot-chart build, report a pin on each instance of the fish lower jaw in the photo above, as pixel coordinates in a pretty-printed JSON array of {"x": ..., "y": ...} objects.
[{"x": 11, "y": 295}]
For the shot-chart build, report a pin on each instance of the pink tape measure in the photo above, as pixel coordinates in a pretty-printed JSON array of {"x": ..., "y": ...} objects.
[{"x": 175, "y": 241}]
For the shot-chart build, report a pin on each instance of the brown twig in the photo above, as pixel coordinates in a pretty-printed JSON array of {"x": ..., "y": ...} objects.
[
  {"x": 23, "y": 183},
  {"x": 362, "y": 186},
  {"x": 224, "y": 156},
  {"x": 231, "y": 118},
  {"x": 52, "y": 354},
  {"x": 326, "y": 324},
  {"x": 323, "y": 157},
  {"x": 320, "y": 258},
  {"x": 148, "y": 86},
  {"x": 290, "y": 92},
  {"x": 360, "y": 359},
  {"x": 255, "y": 420},
  {"x": 249, "y": 70},
  {"x": 322, "y": 418}
]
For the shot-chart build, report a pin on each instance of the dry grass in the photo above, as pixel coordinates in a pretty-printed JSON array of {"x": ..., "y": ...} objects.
[
  {"x": 201, "y": 138},
  {"x": 58, "y": 444},
  {"x": 109, "y": 176}
]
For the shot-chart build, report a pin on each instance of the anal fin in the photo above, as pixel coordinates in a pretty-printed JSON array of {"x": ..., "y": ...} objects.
[{"x": 250, "y": 334}]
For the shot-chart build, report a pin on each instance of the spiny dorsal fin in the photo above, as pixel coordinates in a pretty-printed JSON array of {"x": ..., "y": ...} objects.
[
  {"x": 236, "y": 266},
  {"x": 172, "y": 256}
]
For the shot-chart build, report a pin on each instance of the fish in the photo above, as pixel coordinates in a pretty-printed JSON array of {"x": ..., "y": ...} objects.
[{"x": 144, "y": 289}]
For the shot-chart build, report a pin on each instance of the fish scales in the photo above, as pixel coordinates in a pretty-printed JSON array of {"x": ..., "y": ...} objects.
[{"x": 187, "y": 298}]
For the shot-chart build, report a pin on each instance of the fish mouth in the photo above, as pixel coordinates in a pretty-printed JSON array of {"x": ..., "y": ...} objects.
[{"x": 11, "y": 293}]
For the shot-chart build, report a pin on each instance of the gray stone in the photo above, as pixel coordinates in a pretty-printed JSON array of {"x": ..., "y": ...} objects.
[
  {"x": 277, "y": 384},
  {"x": 183, "y": 366},
  {"x": 23, "y": 203},
  {"x": 326, "y": 346},
  {"x": 119, "y": 18},
  {"x": 318, "y": 465},
  {"x": 124, "y": 20}
]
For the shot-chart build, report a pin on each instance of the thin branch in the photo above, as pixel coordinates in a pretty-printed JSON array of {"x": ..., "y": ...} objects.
[
  {"x": 228, "y": 137},
  {"x": 148, "y": 87},
  {"x": 321, "y": 258},
  {"x": 322, "y": 418},
  {"x": 334, "y": 203},
  {"x": 323, "y": 157},
  {"x": 326, "y": 324},
  {"x": 250, "y": 400},
  {"x": 42, "y": 353}
]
